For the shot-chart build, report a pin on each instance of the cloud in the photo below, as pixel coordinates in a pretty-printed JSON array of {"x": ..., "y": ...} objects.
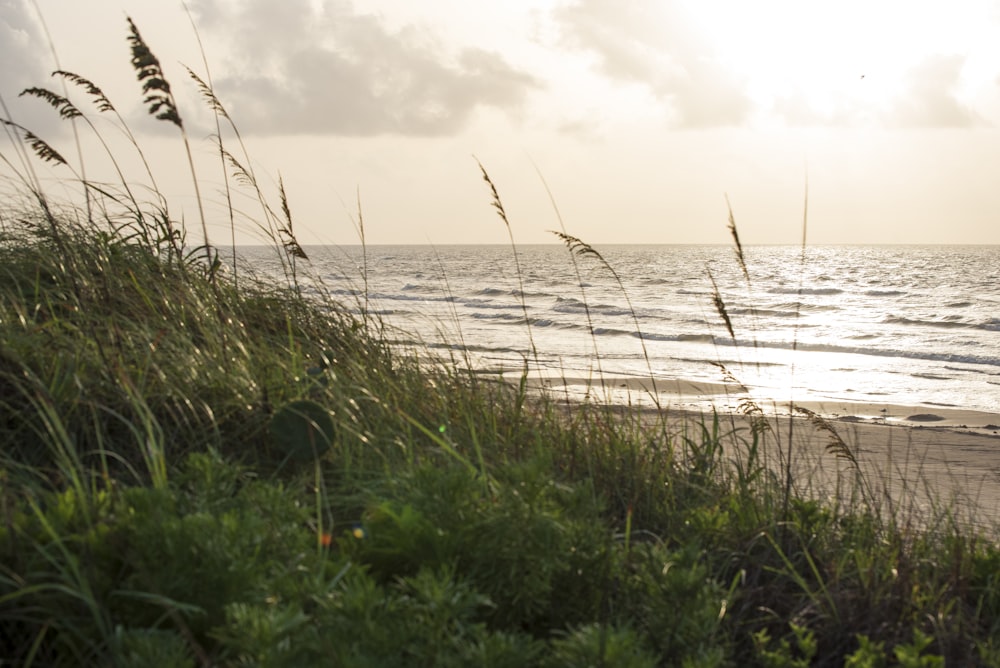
[
  {"x": 299, "y": 68},
  {"x": 929, "y": 98},
  {"x": 20, "y": 41},
  {"x": 924, "y": 98},
  {"x": 663, "y": 46},
  {"x": 654, "y": 44}
]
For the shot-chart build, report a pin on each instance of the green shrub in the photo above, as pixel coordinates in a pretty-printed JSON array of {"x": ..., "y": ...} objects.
[{"x": 594, "y": 645}]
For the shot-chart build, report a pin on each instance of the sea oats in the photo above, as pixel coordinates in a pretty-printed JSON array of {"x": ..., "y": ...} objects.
[
  {"x": 66, "y": 109},
  {"x": 100, "y": 99},
  {"x": 154, "y": 84},
  {"x": 41, "y": 148}
]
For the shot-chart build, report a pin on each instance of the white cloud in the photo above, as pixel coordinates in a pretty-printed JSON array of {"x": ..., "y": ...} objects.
[
  {"x": 929, "y": 99},
  {"x": 656, "y": 44},
  {"x": 296, "y": 67},
  {"x": 732, "y": 64},
  {"x": 23, "y": 66},
  {"x": 924, "y": 97}
]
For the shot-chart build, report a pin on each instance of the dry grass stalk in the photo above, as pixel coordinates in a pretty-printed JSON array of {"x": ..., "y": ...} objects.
[
  {"x": 101, "y": 100},
  {"x": 740, "y": 257},
  {"x": 41, "y": 148},
  {"x": 720, "y": 306},
  {"x": 579, "y": 247},
  {"x": 836, "y": 445},
  {"x": 154, "y": 84},
  {"x": 498, "y": 206}
]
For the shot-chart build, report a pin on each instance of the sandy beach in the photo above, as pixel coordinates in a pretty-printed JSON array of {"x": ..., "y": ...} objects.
[{"x": 915, "y": 461}]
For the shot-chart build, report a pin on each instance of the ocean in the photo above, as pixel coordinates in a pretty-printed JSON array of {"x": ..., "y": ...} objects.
[{"x": 905, "y": 325}]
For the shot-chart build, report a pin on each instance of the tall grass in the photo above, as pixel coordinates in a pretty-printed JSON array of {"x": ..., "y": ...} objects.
[
  {"x": 203, "y": 471},
  {"x": 498, "y": 206},
  {"x": 578, "y": 247}
]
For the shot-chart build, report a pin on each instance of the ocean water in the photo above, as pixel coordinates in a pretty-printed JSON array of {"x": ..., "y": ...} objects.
[{"x": 908, "y": 325}]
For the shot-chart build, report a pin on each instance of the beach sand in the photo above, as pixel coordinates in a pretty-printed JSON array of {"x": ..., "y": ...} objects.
[{"x": 915, "y": 461}]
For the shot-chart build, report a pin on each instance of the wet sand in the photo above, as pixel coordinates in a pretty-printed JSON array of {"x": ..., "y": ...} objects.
[{"x": 921, "y": 464}]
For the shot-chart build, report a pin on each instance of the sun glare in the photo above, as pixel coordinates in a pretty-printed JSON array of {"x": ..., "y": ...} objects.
[{"x": 828, "y": 59}]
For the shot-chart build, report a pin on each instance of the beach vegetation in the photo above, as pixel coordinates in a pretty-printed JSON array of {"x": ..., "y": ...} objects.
[{"x": 204, "y": 465}]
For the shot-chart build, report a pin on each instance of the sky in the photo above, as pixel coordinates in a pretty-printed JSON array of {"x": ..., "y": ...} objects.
[{"x": 845, "y": 121}]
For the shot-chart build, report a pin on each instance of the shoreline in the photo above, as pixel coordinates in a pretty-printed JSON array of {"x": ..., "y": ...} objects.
[
  {"x": 691, "y": 395},
  {"x": 918, "y": 463}
]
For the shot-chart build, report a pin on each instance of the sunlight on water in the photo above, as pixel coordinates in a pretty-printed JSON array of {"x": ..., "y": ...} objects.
[{"x": 906, "y": 325}]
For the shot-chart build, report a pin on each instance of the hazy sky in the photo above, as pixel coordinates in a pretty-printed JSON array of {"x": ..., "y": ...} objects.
[{"x": 641, "y": 116}]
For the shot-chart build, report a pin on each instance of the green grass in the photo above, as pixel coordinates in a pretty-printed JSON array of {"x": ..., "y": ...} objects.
[{"x": 203, "y": 468}]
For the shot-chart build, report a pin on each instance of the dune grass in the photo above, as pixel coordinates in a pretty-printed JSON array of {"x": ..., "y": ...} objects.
[{"x": 198, "y": 470}]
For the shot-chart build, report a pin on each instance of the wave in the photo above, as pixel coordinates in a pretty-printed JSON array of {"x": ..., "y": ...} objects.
[
  {"x": 570, "y": 305},
  {"x": 493, "y": 306},
  {"x": 948, "y": 322},
  {"x": 473, "y": 348},
  {"x": 518, "y": 320},
  {"x": 726, "y": 343},
  {"x": 373, "y": 312},
  {"x": 722, "y": 342},
  {"x": 765, "y": 312},
  {"x": 681, "y": 338},
  {"x": 865, "y": 350},
  {"x": 510, "y": 292},
  {"x": 391, "y": 296},
  {"x": 497, "y": 316},
  {"x": 885, "y": 293},
  {"x": 599, "y": 309},
  {"x": 783, "y": 309},
  {"x": 962, "y": 369},
  {"x": 806, "y": 291},
  {"x": 715, "y": 361}
]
